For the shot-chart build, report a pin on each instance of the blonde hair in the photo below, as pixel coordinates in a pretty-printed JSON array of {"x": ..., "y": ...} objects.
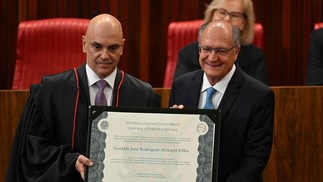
[{"x": 247, "y": 33}]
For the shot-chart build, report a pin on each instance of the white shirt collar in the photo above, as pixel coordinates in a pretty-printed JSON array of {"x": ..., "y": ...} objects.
[
  {"x": 222, "y": 85},
  {"x": 93, "y": 77}
]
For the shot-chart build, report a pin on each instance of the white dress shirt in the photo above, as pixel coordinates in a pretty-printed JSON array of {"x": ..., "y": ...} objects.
[
  {"x": 93, "y": 89},
  {"x": 220, "y": 88}
]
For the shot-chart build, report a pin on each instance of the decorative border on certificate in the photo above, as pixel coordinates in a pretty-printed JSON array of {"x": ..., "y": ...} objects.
[{"x": 153, "y": 144}]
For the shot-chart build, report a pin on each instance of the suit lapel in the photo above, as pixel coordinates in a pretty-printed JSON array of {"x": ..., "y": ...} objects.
[
  {"x": 196, "y": 85},
  {"x": 231, "y": 92},
  {"x": 115, "y": 87},
  {"x": 189, "y": 93}
]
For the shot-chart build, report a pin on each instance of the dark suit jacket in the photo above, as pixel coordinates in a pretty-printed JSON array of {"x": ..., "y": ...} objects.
[
  {"x": 250, "y": 59},
  {"x": 315, "y": 59},
  {"x": 42, "y": 149},
  {"x": 247, "y": 116}
]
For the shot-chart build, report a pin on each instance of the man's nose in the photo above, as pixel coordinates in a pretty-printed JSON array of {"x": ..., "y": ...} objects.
[
  {"x": 213, "y": 55},
  {"x": 227, "y": 18},
  {"x": 105, "y": 53}
]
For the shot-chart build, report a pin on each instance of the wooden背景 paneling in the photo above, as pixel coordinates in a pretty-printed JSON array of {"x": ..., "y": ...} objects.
[
  {"x": 11, "y": 107},
  {"x": 297, "y": 153}
]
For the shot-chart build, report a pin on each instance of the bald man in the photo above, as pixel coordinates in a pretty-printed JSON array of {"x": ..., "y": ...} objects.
[
  {"x": 246, "y": 104},
  {"x": 50, "y": 141}
]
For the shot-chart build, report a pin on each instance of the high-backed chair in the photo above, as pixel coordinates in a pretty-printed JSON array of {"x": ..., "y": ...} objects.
[
  {"x": 47, "y": 46},
  {"x": 184, "y": 32},
  {"x": 318, "y": 25}
]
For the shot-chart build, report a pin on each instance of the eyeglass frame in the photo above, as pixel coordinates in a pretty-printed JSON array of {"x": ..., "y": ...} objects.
[
  {"x": 236, "y": 16},
  {"x": 217, "y": 51}
]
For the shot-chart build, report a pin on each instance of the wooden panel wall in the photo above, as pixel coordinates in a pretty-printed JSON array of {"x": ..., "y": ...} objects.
[
  {"x": 297, "y": 153},
  {"x": 287, "y": 25},
  {"x": 11, "y": 107}
]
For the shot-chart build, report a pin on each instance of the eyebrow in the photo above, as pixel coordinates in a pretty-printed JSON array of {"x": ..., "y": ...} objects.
[
  {"x": 97, "y": 43},
  {"x": 210, "y": 47}
]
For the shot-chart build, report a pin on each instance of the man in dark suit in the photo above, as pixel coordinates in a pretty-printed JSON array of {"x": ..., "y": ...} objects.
[
  {"x": 315, "y": 59},
  {"x": 246, "y": 104},
  {"x": 50, "y": 142}
]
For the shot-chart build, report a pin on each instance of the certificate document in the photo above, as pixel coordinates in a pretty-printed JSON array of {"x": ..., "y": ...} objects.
[{"x": 153, "y": 144}]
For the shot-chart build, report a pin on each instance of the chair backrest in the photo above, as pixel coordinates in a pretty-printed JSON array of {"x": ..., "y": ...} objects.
[
  {"x": 47, "y": 46},
  {"x": 318, "y": 25},
  {"x": 181, "y": 33}
]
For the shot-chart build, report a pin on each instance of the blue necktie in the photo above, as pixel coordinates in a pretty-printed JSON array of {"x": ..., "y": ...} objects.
[
  {"x": 100, "y": 99},
  {"x": 208, "y": 102}
]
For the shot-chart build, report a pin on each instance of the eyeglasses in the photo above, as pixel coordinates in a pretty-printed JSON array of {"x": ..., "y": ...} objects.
[
  {"x": 217, "y": 51},
  {"x": 234, "y": 16}
]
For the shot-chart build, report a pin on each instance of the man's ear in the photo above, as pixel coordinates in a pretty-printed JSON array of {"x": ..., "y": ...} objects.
[
  {"x": 237, "y": 50},
  {"x": 122, "y": 44},
  {"x": 83, "y": 44}
]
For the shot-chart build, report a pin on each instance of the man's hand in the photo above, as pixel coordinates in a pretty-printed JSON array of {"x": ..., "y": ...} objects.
[
  {"x": 178, "y": 106},
  {"x": 81, "y": 163}
]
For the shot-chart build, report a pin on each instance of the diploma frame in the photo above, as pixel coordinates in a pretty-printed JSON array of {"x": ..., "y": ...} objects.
[{"x": 99, "y": 143}]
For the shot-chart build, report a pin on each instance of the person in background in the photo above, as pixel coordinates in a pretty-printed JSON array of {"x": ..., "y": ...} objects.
[
  {"x": 246, "y": 104},
  {"x": 241, "y": 14},
  {"x": 315, "y": 59},
  {"x": 50, "y": 141}
]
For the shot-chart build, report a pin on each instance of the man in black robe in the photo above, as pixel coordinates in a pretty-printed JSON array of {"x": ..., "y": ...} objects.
[{"x": 50, "y": 141}]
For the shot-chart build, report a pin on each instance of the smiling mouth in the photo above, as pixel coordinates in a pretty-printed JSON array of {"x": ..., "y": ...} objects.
[{"x": 213, "y": 64}]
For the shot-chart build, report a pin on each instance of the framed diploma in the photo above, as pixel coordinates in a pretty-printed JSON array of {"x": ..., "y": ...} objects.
[{"x": 153, "y": 144}]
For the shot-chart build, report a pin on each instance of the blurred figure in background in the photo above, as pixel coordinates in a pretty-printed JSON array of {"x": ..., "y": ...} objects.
[{"x": 315, "y": 59}]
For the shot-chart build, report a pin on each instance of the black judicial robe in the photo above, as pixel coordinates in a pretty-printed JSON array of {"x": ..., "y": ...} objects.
[{"x": 42, "y": 149}]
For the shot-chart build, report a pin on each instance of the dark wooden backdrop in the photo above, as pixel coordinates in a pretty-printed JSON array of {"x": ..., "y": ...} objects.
[
  {"x": 298, "y": 133},
  {"x": 287, "y": 24}
]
